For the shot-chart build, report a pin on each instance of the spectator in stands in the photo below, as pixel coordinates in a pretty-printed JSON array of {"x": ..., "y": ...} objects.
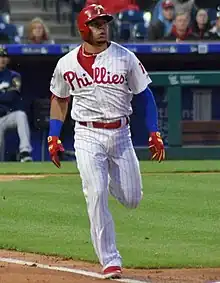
[
  {"x": 11, "y": 113},
  {"x": 215, "y": 30},
  {"x": 163, "y": 25},
  {"x": 201, "y": 26},
  {"x": 186, "y": 6},
  {"x": 181, "y": 30},
  {"x": 38, "y": 32},
  {"x": 5, "y": 6},
  {"x": 181, "y": 6},
  {"x": 8, "y": 31}
]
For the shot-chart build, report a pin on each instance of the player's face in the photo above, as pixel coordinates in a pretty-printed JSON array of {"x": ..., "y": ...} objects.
[
  {"x": 168, "y": 13},
  {"x": 99, "y": 29},
  {"x": 3, "y": 62},
  {"x": 38, "y": 30},
  {"x": 182, "y": 22}
]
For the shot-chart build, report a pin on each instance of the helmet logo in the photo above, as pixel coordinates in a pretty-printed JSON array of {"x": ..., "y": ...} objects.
[{"x": 99, "y": 9}]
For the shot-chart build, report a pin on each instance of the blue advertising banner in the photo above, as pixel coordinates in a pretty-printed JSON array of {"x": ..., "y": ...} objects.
[{"x": 142, "y": 48}]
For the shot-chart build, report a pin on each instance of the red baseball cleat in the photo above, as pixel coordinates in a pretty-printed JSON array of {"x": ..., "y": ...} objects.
[{"x": 112, "y": 272}]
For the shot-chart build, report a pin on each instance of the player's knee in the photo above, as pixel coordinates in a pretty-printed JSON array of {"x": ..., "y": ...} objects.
[
  {"x": 96, "y": 196},
  {"x": 133, "y": 199},
  {"x": 20, "y": 115}
]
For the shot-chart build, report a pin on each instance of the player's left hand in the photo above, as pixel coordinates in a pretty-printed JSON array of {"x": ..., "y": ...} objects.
[
  {"x": 156, "y": 146},
  {"x": 55, "y": 147}
]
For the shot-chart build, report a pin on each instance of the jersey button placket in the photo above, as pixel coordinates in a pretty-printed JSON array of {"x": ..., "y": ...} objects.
[
  {"x": 93, "y": 69},
  {"x": 97, "y": 88}
]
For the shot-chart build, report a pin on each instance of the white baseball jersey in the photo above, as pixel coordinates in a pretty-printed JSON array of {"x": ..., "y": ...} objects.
[{"x": 117, "y": 76}]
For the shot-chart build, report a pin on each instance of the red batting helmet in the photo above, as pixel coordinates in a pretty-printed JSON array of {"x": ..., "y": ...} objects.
[{"x": 88, "y": 14}]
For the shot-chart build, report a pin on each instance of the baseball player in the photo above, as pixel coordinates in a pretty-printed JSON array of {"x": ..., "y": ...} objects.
[
  {"x": 102, "y": 77},
  {"x": 11, "y": 113}
]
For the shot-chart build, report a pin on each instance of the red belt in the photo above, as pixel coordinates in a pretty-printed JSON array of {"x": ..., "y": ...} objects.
[{"x": 112, "y": 125}]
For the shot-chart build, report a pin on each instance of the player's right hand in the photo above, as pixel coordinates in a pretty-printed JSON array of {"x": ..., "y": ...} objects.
[
  {"x": 156, "y": 146},
  {"x": 55, "y": 147}
]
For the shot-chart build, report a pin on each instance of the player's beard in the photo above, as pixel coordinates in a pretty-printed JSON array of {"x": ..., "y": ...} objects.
[
  {"x": 98, "y": 42},
  {"x": 101, "y": 42}
]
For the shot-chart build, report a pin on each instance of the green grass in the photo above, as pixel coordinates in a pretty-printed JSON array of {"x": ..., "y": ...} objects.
[
  {"x": 146, "y": 167},
  {"x": 176, "y": 225}
]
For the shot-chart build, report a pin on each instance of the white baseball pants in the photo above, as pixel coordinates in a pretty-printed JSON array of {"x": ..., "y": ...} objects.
[
  {"x": 107, "y": 164},
  {"x": 18, "y": 120}
]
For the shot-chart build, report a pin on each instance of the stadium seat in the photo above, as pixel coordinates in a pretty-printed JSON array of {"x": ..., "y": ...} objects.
[
  {"x": 9, "y": 33},
  {"x": 131, "y": 16},
  {"x": 139, "y": 31},
  {"x": 132, "y": 24},
  {"x": 124, "y": 31},
  {"x": 20, "y": 30}
]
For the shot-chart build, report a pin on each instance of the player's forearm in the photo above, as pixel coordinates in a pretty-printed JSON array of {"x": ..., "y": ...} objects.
[
  {"x": 151, "y": 110},
  {"x": 58, "y": 111}
]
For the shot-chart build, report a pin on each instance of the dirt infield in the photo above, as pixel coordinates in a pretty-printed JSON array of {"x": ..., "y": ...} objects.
[
  {"x": 9, "y": 178},
  {"x": 11, "y": 273},
  {"x": 15, "y": 273}
]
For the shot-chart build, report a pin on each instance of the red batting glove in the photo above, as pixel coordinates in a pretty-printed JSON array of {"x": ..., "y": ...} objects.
[
  {"x": 55, "y": 146},
  {"x": 156, "y": 146}
]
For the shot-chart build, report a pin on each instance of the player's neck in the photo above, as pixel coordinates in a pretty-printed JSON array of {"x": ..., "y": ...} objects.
[{"x": 91, "y": 49}]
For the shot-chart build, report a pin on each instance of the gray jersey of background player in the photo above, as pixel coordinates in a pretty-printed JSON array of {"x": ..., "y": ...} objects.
[{"x": 11, "y": 115}]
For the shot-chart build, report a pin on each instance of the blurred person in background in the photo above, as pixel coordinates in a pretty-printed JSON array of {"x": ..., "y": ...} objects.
[
  {"x": 181, "y": 29},
  {"x": 185, "y": 6},
  {"x": 163, "y": 25},
  {"x": 181, "y": 6},
  {"x": 11, "y": 113},
  {"x": 215, "y": 30},
  {"x": 201, "y": 26},
  {"x": 9, "y": 33},
  {"x": 38, "y": 32}
]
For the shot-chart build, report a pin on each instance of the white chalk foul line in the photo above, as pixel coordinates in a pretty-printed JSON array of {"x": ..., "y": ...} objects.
[{"x": 65, "y": 269}]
